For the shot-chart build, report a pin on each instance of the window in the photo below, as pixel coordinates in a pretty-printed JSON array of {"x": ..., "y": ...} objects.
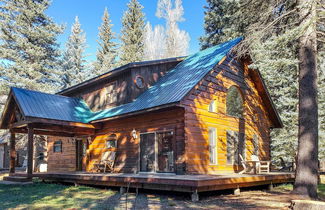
[
  {"x": 234, "y": 102},
  {"x": 111, "y": 93},
  {"x": 111, "y": 141},
  {"x": 213, "y": 145},
  {"x": 41, "y": 156},
  {"x": 57, "y": 146},
  {"x": 255, "y": 145},
  {"x": 235, "y": 147},
  {"x": 139, "y": 82},
  {"x": 212, "y": 106}
]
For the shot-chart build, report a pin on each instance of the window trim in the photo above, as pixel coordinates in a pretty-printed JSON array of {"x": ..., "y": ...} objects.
[
  {"x": 109, "y": 139},
  {"x": 60, "y": 144},
  {"x": 214, "y": 146},
  {"x": 212, "y": 105},
  {"x": 242, "y": 105}
]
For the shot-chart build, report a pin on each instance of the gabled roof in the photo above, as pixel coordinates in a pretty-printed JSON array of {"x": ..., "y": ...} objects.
[
  {"x": 48, "y": 106},
  {"x": 169, "y": 90},
  {"x": 117, "y": 71},
  {"x": 176, "y": 83}
]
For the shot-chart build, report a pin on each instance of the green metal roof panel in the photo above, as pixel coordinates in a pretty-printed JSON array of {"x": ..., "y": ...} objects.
[
  {"x": 176, "y": 83},
  {"x": 169, "y": 89},
  {"x": 49, "y": 106}
]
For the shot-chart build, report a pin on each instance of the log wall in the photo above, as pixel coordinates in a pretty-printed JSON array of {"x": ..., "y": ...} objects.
[
  {"x": 198, "y": 119},
  {"x": 61, "y": 161},
  {"x": 127, "y": 160}
]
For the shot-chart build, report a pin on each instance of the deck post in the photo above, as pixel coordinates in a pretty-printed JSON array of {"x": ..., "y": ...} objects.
[
  {"x": 237, "y": 191},
  {"x": 195, "y": 196},
  {"x": 12, "y": 153},
  {"x": 270, "y": 187},
  {"x": 122, "y": 190},
  {"x": 30, "y": 151}
]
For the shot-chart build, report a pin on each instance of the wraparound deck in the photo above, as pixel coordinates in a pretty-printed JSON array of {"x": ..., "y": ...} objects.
[{"x": 181, "y": 183}]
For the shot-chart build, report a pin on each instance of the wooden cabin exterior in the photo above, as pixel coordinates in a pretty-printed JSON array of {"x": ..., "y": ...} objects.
[{"x": 193, "y": 115}]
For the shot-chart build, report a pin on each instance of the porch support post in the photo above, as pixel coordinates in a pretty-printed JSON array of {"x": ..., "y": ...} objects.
[
  {"x": 12, "y": 146},
  {"x": 30, "y": 151}
]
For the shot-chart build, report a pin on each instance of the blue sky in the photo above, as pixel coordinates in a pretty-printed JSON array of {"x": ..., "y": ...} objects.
[{"x": 90, "y": 13}]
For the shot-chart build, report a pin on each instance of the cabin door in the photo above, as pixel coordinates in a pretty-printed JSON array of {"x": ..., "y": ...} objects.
[
  {"x": 165, "y": 152},
  {"x": 79, "y": 154},
  {"x": 147, "y": 152}
]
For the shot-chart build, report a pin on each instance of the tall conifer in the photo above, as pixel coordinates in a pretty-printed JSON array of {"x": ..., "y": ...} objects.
[
  {"x": 28, "y": 42},
  {"x": 73, "y": 63},
  {"x": 106, "y": 53},
  {"x": 132, "y": 37}
]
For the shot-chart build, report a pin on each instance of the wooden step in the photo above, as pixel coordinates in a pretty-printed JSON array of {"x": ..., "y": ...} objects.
[
  {"x": 17, "y": 179},
  {"x": 19, "y": 174}
]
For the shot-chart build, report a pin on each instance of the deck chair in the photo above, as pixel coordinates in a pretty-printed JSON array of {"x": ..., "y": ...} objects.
[
  {"x": 244, "y": 164},
  {"x": 262, "y": 166},
  {"x": 106, "y": 163}
]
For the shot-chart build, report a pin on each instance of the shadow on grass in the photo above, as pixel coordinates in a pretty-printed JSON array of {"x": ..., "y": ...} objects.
[{"x": 53, "y": 196}]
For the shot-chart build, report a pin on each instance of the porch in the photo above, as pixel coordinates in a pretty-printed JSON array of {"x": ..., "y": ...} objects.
[{"x": 169, "y": 182}]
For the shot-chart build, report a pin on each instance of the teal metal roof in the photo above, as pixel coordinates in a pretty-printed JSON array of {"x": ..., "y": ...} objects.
[
  {"x": 176, "y": 83},
  {"x": 169, "y": 89},
  {"x": 49, "y": 106}
]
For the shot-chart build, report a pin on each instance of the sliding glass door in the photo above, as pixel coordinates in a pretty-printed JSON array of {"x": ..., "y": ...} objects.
[{"x": 156, "y": 152}]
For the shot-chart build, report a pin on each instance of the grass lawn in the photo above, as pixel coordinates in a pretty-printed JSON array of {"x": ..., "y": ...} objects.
[
  {"x": 53, "y": 196},
  {"x": 56, "y": 196}
]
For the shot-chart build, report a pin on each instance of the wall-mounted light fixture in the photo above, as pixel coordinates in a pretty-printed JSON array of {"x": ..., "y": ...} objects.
[{"x": 134, "y": 134}]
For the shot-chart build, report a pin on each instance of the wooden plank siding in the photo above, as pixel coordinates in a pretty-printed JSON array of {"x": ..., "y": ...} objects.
[
  {"x": 126, "y": 90},
  {"x": 127, "y": 160},
  {"x": 127, "y": 148},
  {"x": 64, "y": 161},
  {"x": 198, "y": 119}
]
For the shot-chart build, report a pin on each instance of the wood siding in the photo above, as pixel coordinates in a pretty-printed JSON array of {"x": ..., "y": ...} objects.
[
  {"x": 127, "y": 159},
  {"x": 61, "y": 161},
  {"x": 198, "y": 119},
  {"x": 126, "y": 90}
]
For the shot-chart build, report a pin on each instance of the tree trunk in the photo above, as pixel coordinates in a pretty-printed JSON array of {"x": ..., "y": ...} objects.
[{"x": 307, "y": 160}]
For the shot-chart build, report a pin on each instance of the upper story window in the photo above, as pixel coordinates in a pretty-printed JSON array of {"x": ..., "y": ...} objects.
[
  {"x": 57, "y": 147},
  {"x": 111, "y": 93},
  {"x": 111, "y": 141},
  {"x": 139, "y": 81},
  {"x": 234, "y": 102},
  {"x": 212, "y": 106}
]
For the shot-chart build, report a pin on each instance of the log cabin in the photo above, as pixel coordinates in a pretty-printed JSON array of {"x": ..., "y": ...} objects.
[{"x": 193, "y": 115}]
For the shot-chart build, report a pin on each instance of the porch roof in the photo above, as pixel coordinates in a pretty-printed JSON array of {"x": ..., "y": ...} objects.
[{"x": 48, "y": 106}]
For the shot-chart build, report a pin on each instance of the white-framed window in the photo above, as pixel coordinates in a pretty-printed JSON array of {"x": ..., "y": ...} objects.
[
  {"x": 213, "y": 145},
  {"x": 212, "y": 106}
]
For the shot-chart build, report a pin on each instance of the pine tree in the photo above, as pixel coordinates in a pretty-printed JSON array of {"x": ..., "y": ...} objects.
[
  {"x": 274, "y": 57},
  {"x": 106, "y": 53},
  {"x": 177, "y": 41},
  {"x": 132, "y": 33},
  {"x": 73, "y": 63},
  {"x": 28, "y": 42},
  {"x": 220, "y": 23}
]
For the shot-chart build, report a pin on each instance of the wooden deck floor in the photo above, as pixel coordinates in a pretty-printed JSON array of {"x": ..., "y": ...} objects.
[{"x": 181, "y": 183}]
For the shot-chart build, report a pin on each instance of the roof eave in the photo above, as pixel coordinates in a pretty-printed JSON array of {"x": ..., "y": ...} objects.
[{"x": 174, "y": 104}]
